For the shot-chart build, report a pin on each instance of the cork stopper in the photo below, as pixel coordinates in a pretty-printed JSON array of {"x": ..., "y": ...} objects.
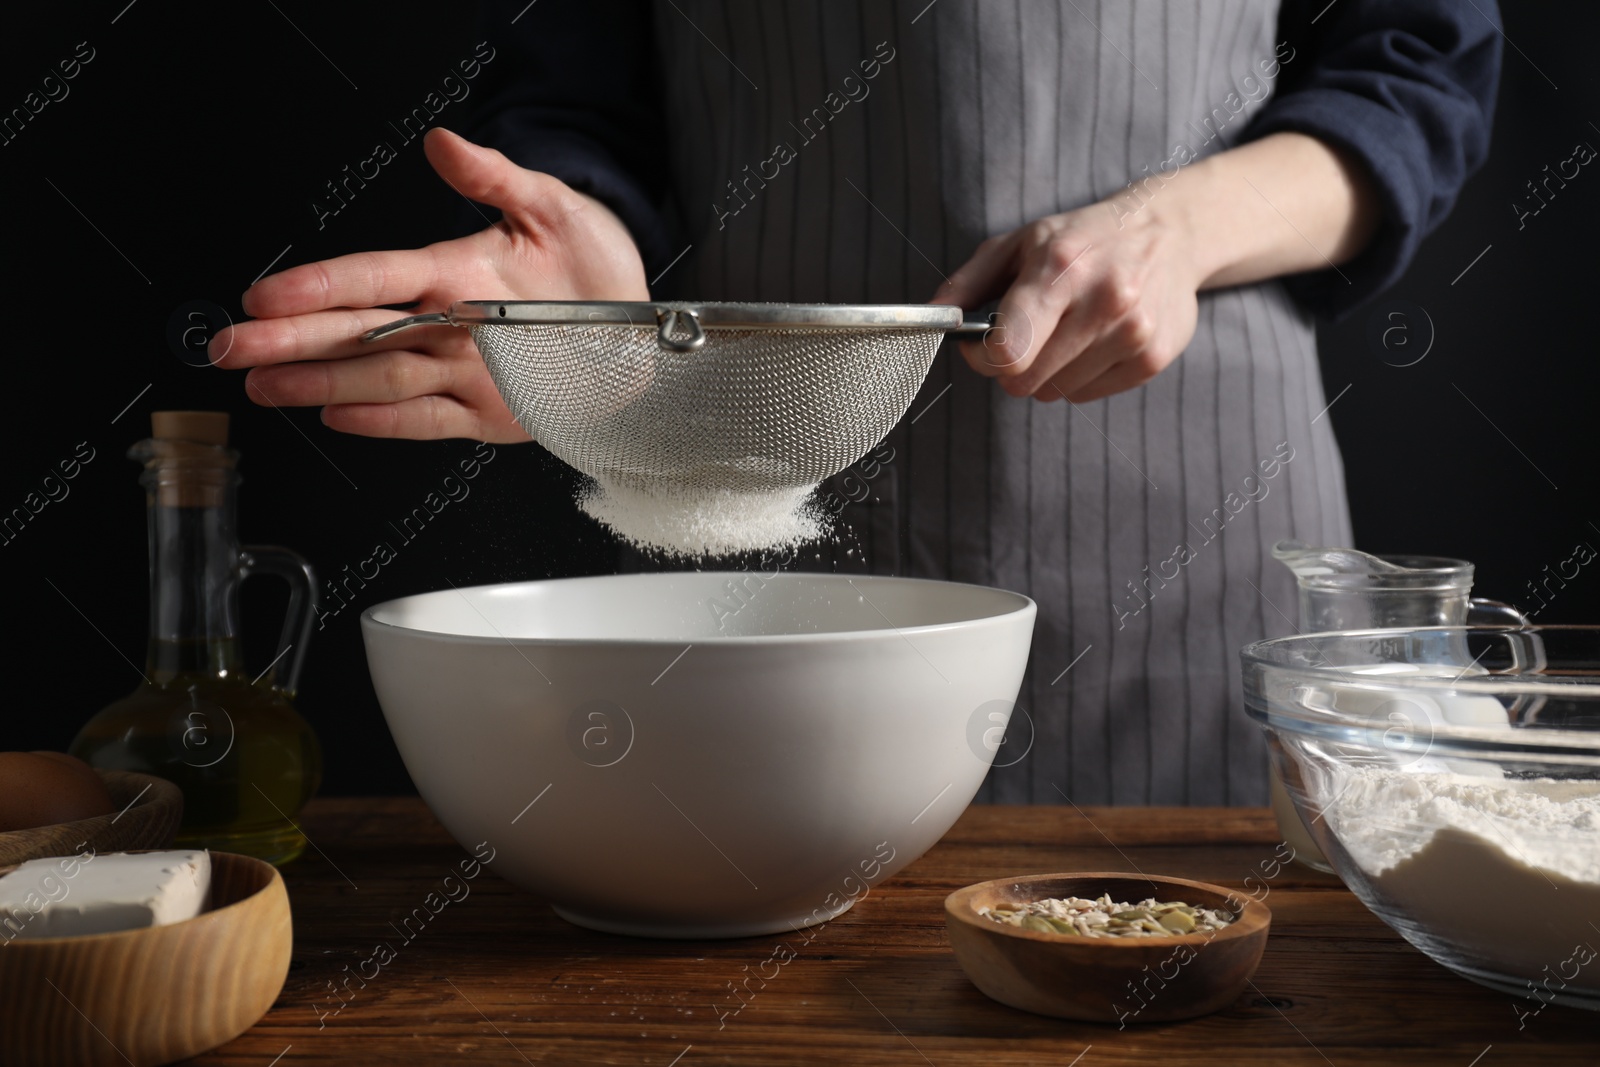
[
  {"x": 188, "y": 462},
  {"x": 201, "y": 427}
]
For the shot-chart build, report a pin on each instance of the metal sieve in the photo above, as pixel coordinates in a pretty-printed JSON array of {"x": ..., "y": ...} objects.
[{"x": 689, "y": 399}]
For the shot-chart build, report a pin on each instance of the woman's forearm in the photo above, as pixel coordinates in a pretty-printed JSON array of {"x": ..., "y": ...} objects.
[{"x": 1285, "y": 204}]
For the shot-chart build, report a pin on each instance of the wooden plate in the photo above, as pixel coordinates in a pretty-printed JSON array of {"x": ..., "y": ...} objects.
[
  {"x": 1106, "y": 979},
  {"x": 157, "y": 994},
  {"x": 148, "y": 812}
]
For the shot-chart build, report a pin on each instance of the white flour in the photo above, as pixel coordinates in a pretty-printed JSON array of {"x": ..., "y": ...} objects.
[
  {"x": 1506, "y": 872},
  {"x": 1552, "y": 825},
  {"x": 706, "y": 522}
]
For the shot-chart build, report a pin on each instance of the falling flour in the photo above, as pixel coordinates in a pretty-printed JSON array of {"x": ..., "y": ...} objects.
[
  {"x": 705, "y": 522},
  {"x": 1505, "y": 872}
]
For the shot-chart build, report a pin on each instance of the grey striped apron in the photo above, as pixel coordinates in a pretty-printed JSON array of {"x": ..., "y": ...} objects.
[{"x": 855, "y": 152}]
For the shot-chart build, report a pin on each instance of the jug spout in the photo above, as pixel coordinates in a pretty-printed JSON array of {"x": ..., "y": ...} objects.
[{"x": 1307, "y": 561}]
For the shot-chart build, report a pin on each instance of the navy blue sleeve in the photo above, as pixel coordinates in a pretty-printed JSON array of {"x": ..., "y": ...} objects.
[
  {"x": 573, "y": 91},
  {"x": 1407, "y": 89}
]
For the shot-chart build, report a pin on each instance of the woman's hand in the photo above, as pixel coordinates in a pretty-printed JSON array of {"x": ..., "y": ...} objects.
[
  {"x": 1102, "y": 299},
  {"x": 1096, "y": 301},
  {"x": 427, "y": 382}
]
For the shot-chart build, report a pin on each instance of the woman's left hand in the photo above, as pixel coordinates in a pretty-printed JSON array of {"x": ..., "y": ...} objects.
[{"x": 1096, "y": 301}]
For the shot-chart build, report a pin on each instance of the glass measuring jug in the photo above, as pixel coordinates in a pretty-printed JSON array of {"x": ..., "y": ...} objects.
[{"x": 1346, "y": 589}]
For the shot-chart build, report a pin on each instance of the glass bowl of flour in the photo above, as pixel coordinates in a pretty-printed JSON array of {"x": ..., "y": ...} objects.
[{"x": 1451, "y": 775}]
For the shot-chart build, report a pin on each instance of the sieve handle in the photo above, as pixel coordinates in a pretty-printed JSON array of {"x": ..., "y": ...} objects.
[
  {"x": 434, "y": 319},
  {"x": 973, "y": 329}
]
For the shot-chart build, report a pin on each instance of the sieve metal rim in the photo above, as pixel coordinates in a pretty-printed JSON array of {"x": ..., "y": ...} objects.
[
  {"x": 713, "y": 315},
  {"x": 695, "y": 316}
]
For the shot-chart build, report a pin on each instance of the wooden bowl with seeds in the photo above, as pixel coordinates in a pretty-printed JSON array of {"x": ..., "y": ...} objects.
[{"x": 1135, "y": 965}]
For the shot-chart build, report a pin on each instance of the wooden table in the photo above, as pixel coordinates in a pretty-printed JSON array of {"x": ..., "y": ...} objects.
[{"x": 497, "y": 978}]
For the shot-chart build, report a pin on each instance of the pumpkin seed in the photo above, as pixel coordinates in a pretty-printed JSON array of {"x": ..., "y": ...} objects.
[{"x": 1178, "y": 920}]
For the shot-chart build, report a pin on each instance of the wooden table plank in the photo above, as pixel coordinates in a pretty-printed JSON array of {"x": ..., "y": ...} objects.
[{"x": 497, "y": 978}]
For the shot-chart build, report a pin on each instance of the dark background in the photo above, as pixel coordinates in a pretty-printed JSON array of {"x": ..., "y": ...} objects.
[{"x": 186, "y": 157}]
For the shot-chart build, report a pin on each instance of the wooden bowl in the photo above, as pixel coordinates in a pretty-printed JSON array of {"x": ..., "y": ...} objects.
[
  {"x": 1106, "y": 979},
  {"x": 149, "y": 810},
  {"x": 153, "y": 995}
]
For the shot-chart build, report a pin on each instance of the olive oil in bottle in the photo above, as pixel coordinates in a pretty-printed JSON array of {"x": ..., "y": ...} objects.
[{"x": 232, "y": 742}]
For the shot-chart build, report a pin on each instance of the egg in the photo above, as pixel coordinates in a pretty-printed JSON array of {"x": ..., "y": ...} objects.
[
  {"x": 45, "y": 788},
  {"x": 83, "y": 769}
]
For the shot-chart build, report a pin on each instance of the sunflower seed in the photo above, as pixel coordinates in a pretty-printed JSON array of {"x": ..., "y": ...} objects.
[{"x": 1102, "y": 917}]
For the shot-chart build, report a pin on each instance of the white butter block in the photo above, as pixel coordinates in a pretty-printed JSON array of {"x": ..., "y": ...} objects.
[{"x": 102, "y": 894}]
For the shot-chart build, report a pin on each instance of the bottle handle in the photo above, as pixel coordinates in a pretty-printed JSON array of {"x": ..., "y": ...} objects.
[{"x": 296, "y": 570}]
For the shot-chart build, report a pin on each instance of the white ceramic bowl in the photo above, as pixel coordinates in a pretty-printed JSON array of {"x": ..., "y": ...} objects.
[{"x": 699, "y": 754}]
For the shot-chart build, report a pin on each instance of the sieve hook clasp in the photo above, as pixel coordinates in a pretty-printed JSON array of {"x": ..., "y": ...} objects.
[{"x": 670, "y": 319}]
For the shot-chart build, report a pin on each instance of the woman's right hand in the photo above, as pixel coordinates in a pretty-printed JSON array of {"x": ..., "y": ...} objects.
[{"x": 304, "y": 341}]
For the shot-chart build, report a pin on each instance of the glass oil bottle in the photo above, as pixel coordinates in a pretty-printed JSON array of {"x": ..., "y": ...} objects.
[{"x": 244, "y": 758}]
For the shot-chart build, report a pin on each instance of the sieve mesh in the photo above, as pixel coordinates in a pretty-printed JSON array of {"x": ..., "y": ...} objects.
[{"x": 753, "y": 410}]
